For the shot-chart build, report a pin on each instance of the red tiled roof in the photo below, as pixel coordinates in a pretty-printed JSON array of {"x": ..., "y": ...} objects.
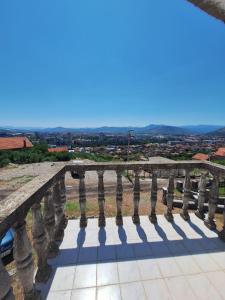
[
  {"x": 11, "y": 143},
  {"x": 201, "y": 156},
  {"x": 58, "y": 149},
  {"x": 220, "y": 152}
]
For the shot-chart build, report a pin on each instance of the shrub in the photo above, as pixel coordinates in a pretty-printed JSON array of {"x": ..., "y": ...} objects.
[{"x": 4, "y": 162}]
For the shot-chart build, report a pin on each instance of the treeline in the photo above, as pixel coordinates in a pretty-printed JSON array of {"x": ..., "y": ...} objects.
[{"x": 39, "y": 153}]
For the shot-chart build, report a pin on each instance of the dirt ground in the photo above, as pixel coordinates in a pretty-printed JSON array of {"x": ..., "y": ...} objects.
[{"x": 15, "y": 176}]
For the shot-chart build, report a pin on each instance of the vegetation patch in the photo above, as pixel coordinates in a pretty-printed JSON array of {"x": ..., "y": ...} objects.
[{"x": 39, "y": 153}]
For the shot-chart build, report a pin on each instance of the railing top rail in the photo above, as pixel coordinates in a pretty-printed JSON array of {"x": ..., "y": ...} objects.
[
  {"x": 214, "y": 168},
  {"x": 145, "y": 165},
  {"x": 19, "y": 202}
]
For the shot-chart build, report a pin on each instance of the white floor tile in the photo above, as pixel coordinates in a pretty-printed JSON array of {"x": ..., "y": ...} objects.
[
  {"x": 217, "y": 279},
  {"x": 65, "y": 257},
  {"x": 124, "y": 251},
  {"x": 165, "y": 261},
  {"x": 85, "y": 276},
  {"x": 219, "y": 258},
  {"x": 168, "y": 229},
  {"x": 111, "y": 292},
  {"x": 93, "y": 224},
  {"x": 84, "y": 294},
  {"x": 186, "y": 228},
  {"x": 107, "y": 273},
  {"x": 107, "y": 253},
  {"x": 65, "y": 295},
  {"x": 128, "y": 271},
  {"x": 63, "y": 278},
  {"x": 208, "y": 244},
  {"x": 207, "y": 232},
  {"x": 133, "y": 291},
  {"x": 168, "y": 267},
  {"x": 187, "y": 265},
  {"x": 193, "y": 245},
  {"x": 72, "y": 226},
  {"x": 202, "y": 287},
  {"x": 87, "y": 254},
  {"x": 179, "y": 288},
  {"x": 205, "y": 262},
  {"x": 91, "y": 240},
  {"x": 159, "y": 249},
  {"x": 176, "y": 247},
  {"x": 128, "y": 222},
  {"x": 157, "y": 290},
  {"x": 142, "y": 250},
  {"x": 69, "y": 240},
  {"x": 148, "y": 269}
]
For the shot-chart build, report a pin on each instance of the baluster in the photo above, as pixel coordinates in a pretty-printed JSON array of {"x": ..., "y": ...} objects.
[
  {"x": 164, "y": 195},
  {"x": 62, "y": 186},
  {"x": 212, "y": 204},
  {"x": 82, "y": 199},
  {"x": 136, "y": 197},
  {"x": 24, "y": 261},
  {"x": 59, "y": 212},
  {"x": 201, "y": 197},
  {"x": 49, "y": 221},
  {"x": 221, "y": 234},
  {"x": 40, "y": 244},
  {"x": 101, "y": 198},
  {"x": 154, "y": 189},
  {"x": 119, "y": 198},
  {"x": 169, "y": 199},
  {"x": 187, "y": 192},
  {"x": 5, "y": 284}
]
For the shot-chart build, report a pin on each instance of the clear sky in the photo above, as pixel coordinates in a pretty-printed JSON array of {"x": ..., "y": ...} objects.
[{"x": 84, "y": 63}]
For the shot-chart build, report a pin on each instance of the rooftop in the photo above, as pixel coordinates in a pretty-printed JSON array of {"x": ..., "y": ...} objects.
[
  {"x": 58, "y": 149},
  {"x": 220, "y": 152},
  {"x": 13, "y": 143},
  {"x": 201, "y": 156}
]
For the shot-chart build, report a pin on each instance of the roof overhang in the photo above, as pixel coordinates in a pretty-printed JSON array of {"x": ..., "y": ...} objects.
[{"x": 215, "y": 8}]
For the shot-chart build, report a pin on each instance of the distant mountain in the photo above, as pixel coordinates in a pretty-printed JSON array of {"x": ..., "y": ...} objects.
[
  {"x": 165, "y": 130},
  {"x": 10, "y": 132},
  {"x": 88, "y": 130},
  {"x": 151, "y": 129},
  {"x": 202, "y": 129},
  {"x": 219, "y": 132}
]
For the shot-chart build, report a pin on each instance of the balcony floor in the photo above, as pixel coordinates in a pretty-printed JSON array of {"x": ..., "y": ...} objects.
[{"x": 183, "y": 260}]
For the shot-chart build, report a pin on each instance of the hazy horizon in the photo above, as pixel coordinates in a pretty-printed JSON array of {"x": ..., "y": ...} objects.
[{"x": 118, "y": 125}]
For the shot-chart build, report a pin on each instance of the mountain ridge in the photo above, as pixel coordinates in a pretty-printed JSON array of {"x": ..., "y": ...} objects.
[
  {"x": 219, "y": 132},
  {"x": 151, "y": 129}
]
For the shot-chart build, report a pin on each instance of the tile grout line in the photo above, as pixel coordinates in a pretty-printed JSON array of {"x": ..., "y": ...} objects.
[{"x": 135, "y": 259}]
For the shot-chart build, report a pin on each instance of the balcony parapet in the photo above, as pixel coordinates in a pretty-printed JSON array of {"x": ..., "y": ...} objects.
[{"x": 48, "y": 224}]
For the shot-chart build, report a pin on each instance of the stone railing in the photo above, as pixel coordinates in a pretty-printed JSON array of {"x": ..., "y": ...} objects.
[{"x": 45, "y": 197}]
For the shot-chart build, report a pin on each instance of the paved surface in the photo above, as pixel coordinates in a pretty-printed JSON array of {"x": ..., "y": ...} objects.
[{"x": 166, "y": 261}]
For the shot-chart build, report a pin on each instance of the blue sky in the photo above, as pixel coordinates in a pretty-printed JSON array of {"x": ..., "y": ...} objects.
[{"x": 84, "y": 63}]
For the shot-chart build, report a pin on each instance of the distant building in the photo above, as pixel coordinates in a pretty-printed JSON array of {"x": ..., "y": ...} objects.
[
  {"x": 201, "y": 156},
  {"x": 58, "y": 149},
  {"x": 15, "y": 143},
  {"x": 220, "y": 153}
]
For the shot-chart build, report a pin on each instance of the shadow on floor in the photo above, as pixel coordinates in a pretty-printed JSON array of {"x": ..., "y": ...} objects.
[{"x": 124, "y": 251}]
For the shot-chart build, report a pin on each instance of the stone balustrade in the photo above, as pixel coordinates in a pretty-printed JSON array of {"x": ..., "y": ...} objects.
[{"x": 45, "y": 198}]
